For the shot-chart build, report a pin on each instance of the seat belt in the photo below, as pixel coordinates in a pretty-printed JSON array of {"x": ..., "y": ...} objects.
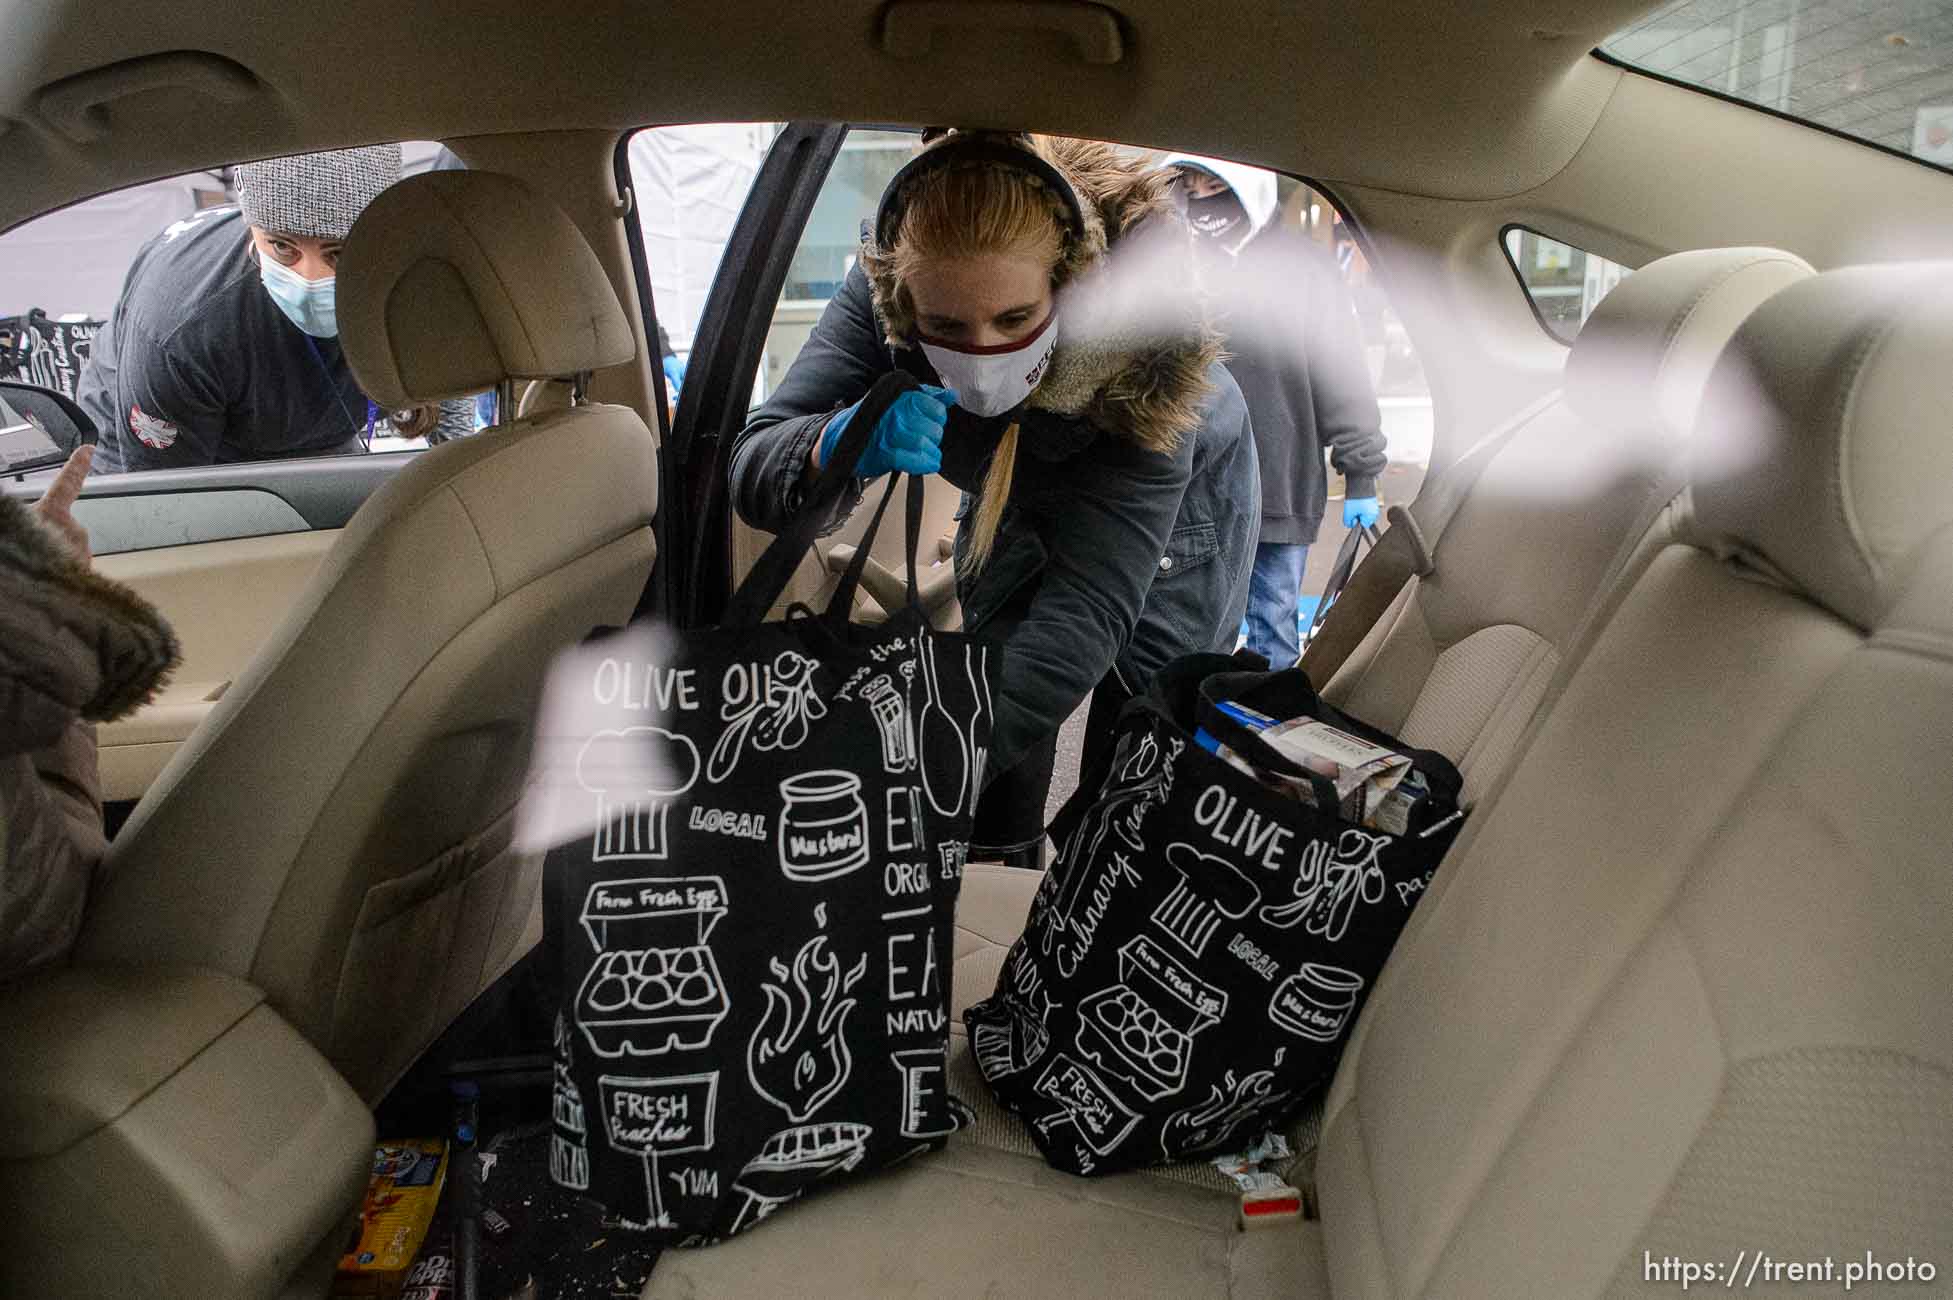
[{"x": 1408, "y": 549}]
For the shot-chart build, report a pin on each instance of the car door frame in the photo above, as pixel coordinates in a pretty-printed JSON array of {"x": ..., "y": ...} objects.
[{"x": 694, "y": 577}]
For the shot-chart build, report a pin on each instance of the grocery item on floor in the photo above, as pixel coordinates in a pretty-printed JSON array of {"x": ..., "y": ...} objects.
[
  {"x": 1226, "y": 893},
  {"x": 401, "y": 1196},
  {"x": 755, "y": 937}
]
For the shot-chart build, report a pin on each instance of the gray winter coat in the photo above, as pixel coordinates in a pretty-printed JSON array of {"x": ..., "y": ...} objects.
[
  {"x": 1296, "y": 349},
  {"x": 1129, "y": 535}
]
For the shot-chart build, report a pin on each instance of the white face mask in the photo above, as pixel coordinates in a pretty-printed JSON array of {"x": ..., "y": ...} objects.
[{"x": 991, "y": 381}]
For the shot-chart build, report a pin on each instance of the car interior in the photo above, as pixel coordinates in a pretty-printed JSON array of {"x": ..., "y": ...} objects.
[{"x": 1672, "y": 586}]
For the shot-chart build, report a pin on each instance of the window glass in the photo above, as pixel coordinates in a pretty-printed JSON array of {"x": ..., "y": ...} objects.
[
  {"x": 867, "y": 162},
  {"x": 1881, "y": 73},
  {"x": 831, "y": 242},
  {"x": 1564, "y": 283},
  {"x": 155, "y": 308},
  {"x": 690, "y": 183},
  {"x": 1403, "y": 393}
]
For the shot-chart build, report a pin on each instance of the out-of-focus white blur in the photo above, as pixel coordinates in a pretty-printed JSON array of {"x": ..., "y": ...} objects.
[{"x": 603, "y": 744}]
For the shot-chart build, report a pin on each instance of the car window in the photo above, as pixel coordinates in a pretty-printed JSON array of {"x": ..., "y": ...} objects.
[
  {"x": 1396, "y": 372},
  {"x": 157, "y": 310},
  {"x": 1879, "y": 73},
  {"x": 1563, "y": 283},
  {"x": 691, "y": 180},
  {"x": 690, "y": 183},
  {"x": 1389, "y": 364},
  {"x": 830, "y": 244}
]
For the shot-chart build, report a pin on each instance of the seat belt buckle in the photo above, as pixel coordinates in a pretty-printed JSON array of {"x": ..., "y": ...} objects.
[
  {"x": 1266, "y": 1196},
  {"x": 1272, "y": 1201}
]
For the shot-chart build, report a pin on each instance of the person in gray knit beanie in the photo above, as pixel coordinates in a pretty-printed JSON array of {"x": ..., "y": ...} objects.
[
  {"x": 315, "y": 195},
  {"x": 224, "y": 345}
]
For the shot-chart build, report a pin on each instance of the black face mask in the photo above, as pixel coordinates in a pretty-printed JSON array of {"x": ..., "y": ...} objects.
[{"x": 1218, "y": 216}]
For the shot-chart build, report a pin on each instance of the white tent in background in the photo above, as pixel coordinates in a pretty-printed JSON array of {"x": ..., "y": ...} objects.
[
  {"x": 692, "y": 182},
  {"x": 71, "y": 263}
]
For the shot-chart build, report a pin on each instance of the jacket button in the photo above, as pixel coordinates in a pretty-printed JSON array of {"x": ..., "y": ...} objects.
[{"x": 1166, "y": 564}]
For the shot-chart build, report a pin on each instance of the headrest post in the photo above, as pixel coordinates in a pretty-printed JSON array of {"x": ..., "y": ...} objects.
[
  {"x": 579, "y": 387},
  {"x": 504, "y": 403}
]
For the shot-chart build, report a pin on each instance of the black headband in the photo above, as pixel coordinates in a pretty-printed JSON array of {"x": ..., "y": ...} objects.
[{"x": 964, "y": 148}]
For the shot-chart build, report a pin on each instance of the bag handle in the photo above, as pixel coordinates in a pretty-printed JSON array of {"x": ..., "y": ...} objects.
[
  {"x": 842, "y": 603},
  {"x": 775, "y": 568},
  {"x": 1340, "y": 571}
]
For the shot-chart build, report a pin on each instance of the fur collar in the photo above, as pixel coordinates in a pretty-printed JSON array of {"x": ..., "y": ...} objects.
[
  {"x": 72, "y": 642},
  {"x": 1134, "y": 339}
]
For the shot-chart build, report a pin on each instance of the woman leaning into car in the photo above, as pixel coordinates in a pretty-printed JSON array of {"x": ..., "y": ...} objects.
[{"x": 1043, "y": 289}]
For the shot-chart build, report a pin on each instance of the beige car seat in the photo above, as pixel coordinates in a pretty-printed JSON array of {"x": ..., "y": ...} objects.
[
  {"x": 1684, "y": 992},
  {"x": 337, "y": 831},
  {"x": 1680, "y": 993},
  {"x": 1462, "y": 659}
]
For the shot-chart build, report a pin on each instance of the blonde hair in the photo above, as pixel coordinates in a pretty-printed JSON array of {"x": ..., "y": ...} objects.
[{"x": 973, "y": 211}]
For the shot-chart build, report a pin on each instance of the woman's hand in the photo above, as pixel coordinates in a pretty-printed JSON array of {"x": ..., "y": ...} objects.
[
  {"x": 56, "y": 506},
  {"x": 908, "y": 440}
]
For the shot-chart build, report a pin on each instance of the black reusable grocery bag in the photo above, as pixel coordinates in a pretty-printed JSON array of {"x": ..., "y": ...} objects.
[
  {"x": 1197, "y": 956},
  {"x": 756, "y": 940}
]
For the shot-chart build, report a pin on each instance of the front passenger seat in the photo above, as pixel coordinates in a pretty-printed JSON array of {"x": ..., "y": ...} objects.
[{"x": 337, "y": 832}]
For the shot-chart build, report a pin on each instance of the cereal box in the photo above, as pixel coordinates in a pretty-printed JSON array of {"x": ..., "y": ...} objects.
[{"x": 400, "y": 1200}]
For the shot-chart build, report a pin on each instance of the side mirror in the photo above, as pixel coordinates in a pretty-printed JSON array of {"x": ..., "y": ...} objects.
[{"x": 39, "y": 427}]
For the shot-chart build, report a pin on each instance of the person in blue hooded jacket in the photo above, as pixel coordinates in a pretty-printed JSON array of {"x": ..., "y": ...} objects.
[{"x": 1296, "y": 349}]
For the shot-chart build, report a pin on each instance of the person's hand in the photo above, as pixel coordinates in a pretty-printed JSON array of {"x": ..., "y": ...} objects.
[
  {"x": 908, "y": 440},
  {"x": 56, "y": 506},
  {"x": 674, "y": 377},
  {"x": 1361, "y": 511}
]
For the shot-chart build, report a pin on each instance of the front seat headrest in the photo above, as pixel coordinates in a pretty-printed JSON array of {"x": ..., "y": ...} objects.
[
  {"x": 1649, "y": 346},
  {"x": 453, "y": 281},
  {"x": 1825, "y": 450}
]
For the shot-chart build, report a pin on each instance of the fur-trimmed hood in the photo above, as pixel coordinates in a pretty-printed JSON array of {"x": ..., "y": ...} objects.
[
  {"x": 72, "y": 642},
  {"x": 1134, "y": 339}
]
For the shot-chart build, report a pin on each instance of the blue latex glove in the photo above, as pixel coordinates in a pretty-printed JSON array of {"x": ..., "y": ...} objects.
[
  {"x": 909, "y": 439},
  {"x": 1361, "y": 510},
  {"x": 674, "y": 377}
]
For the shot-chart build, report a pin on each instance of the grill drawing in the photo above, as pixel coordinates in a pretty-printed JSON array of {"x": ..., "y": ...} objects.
[{"x": 793, "y": 1159}]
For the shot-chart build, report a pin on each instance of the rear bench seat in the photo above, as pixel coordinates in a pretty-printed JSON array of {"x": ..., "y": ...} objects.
[
  {"x": 1461, "y": 661},
  {"x": 1683, "y": 992}
]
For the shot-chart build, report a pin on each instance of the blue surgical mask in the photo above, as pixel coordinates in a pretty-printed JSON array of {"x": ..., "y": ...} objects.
[{"x": 310, "y": 304}]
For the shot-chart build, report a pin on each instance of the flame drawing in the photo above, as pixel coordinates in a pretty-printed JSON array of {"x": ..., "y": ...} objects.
[
  {"x": 1230, "y": 1106},
  {"x": 797, "y": 1057}
]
